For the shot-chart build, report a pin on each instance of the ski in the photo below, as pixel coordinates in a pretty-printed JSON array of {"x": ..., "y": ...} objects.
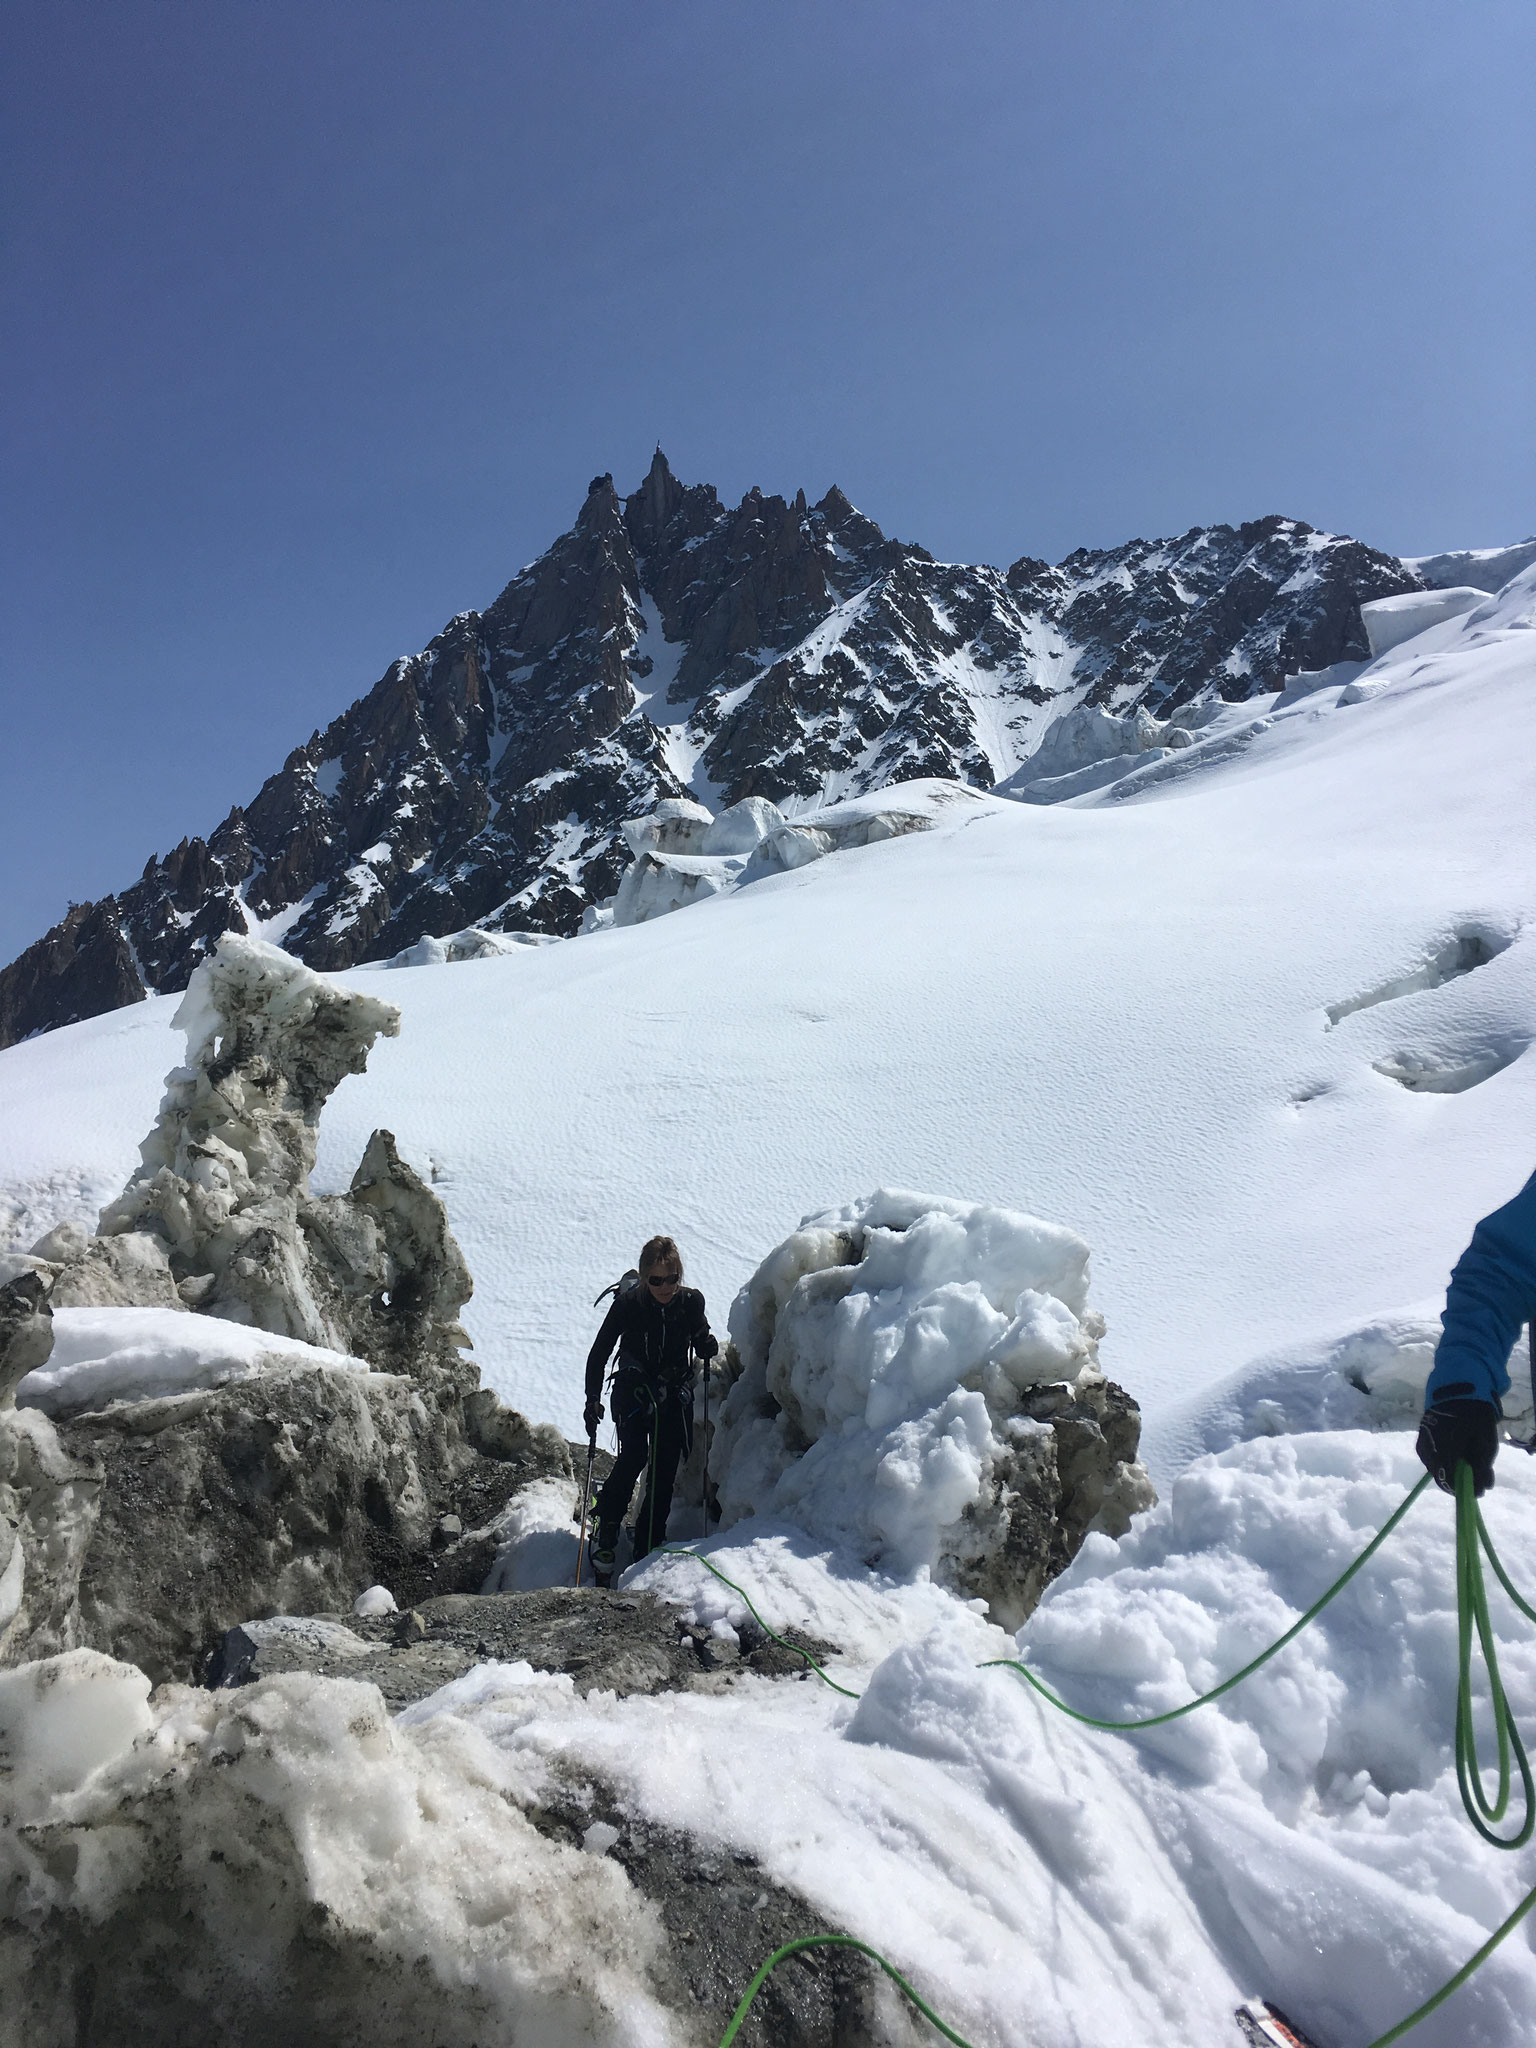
[{"x": 1266, "y": 2026}]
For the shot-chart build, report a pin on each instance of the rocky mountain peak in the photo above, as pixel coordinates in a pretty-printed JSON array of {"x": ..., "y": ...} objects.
[{"x": 666, "y": 645}]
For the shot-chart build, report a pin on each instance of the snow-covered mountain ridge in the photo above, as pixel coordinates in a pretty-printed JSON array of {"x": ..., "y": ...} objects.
[{"x": 668, "y": 644}]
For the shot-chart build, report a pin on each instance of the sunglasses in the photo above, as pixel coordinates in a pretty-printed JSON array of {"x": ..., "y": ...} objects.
[{"x": 662, "y": 1279}]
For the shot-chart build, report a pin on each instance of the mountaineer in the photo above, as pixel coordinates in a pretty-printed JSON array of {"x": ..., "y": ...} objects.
[
  {"x": 1492, "y": 1292},
  {"x": 659, "y": 1325}
]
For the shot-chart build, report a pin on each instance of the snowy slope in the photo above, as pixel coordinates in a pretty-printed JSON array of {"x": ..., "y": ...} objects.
[{"x": 1114, "y": 1014}]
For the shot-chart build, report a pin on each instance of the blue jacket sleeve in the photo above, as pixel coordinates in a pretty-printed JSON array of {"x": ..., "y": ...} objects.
[{"x": 1492, "y": 1292}]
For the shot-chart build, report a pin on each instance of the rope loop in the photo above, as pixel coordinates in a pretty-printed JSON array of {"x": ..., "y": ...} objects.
[{"x": 1472, "y": 1620}]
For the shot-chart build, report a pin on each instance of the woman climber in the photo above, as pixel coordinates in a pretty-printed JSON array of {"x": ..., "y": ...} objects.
[{"x": 659, "y": 1326}]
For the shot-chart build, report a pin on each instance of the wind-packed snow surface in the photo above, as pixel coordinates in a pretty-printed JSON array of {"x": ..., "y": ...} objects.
[{"x": 141, "y": 1354}]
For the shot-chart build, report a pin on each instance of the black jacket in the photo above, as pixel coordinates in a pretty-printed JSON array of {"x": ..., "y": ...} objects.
[{"x": 652, "y": 1340}]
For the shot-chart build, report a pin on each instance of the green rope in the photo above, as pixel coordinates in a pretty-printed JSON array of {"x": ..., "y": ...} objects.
[
  {"x": 833, "y": 1941},
  {"x": 1204, "y": 1699},
  {"x": 1472, "y": 1540},
  {"x": 1472, "y": 1613},
  {"x": 681, "y": 1550},
  {"x": 1472, "y": 1963}
]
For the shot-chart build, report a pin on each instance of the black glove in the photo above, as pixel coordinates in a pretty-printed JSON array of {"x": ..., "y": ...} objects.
[
  {"x": 707, "y": 1345},
  {"x": 1454, "y": 1429},
  {"x": 592, "y": 1415}
]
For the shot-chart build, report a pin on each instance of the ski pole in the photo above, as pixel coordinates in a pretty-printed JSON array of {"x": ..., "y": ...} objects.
[
  {"x": 586, "y": 1503},
  {"x": 703, "y": 1366}
]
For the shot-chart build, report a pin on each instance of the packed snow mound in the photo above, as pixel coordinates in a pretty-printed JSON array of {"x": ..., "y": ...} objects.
[
  {"x": 683, "y": 854},
  {"x": 875, "y": 1386},
  {"x": 1389, "y": 621},
  {"x": 470, "y": 944},
  {"x": 101, "y": 1355},
  {"x": 536, "y": 1540},
  {"x": 61, "y": 1720},
  {"x": 1088, "y": 748},
  {"x": 1319, "y": 1798},
  {"x": 1486, "y": 568},
  {"x": 1368, "y": 1375}
]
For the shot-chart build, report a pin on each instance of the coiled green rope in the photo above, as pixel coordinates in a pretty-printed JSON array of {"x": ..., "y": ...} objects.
[
  {"x": 1472, "y": 1613},
  {"x": 1472, "y": 1541}
]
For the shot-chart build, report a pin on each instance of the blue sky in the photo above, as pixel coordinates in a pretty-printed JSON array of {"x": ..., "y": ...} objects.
[{"x": 318, "y": 318}]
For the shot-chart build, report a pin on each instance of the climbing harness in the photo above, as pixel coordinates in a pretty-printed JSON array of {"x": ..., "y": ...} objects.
[{"x": 1472, "y": 1541}]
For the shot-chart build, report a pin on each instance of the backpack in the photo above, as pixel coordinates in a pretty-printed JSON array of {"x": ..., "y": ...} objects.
[{"x": 619, "y": 1286}]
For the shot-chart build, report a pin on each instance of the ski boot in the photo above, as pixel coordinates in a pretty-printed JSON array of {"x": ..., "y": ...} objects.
[
  {"x": 1266, "y": 2026},
  {"x": 605, "y": 1555}
]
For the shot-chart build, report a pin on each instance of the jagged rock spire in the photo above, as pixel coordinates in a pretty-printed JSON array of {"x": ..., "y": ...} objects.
[{"x": 651, "y": 508}]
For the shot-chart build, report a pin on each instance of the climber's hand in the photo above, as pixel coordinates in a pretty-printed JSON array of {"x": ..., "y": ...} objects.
[{"x": 1456, "y": 1429}]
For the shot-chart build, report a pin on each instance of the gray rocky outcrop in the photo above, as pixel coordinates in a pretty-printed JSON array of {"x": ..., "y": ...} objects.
[
  {"x": 147, "y": 1529},
  {"x": 223, "y": 1184},
  {"x": 483, "y": 782},
  {"x": 619, "y": 1643}
]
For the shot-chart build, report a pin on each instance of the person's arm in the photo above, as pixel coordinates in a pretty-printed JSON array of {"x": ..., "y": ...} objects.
[
  {"x": 1492, "y": 1292},
  {"x": 597, "y": 1358}
]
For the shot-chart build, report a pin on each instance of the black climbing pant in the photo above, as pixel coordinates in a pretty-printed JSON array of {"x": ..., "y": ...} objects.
[{"x": 646, "y": 1416}]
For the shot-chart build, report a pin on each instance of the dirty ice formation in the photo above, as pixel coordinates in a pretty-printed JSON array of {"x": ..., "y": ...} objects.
[
  {"x": 915, "y": 1379},
  {"x": 279, "y": 1405},
  {"x": 223, "y": 1186}
]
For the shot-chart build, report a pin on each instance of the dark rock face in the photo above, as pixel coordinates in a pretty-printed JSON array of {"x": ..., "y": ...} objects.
[
  {"x": 167, "y": 1522},
  {"x": 723, "y": 1915},
  {"x": 1238, "y": 607},
  {"x": 81, "y": 968},
  {"x": 774, "y": 649}
]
